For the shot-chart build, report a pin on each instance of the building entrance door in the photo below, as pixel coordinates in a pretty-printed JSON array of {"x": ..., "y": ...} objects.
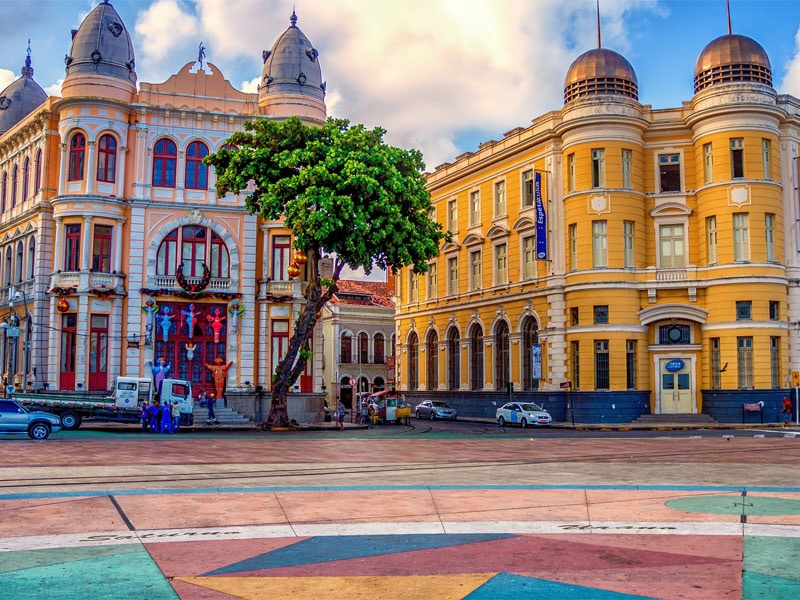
[{"x": 676, "y": 392}]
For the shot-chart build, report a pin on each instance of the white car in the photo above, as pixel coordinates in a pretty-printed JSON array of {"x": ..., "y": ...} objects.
[{"x": 523, "y": 414}]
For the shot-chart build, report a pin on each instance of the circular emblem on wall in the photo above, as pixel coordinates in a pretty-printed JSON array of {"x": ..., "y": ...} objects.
[
  {"x": 599, "y": 203},
  {"x": 5, "y": 102}
]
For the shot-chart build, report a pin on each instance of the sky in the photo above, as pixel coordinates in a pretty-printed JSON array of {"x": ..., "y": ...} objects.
[{"x": 440, "y": 76}]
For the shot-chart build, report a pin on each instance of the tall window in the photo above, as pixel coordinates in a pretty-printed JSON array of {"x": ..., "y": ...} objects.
[
  {"x": 737, "y": 158},
  {"x": 669, "y": 166},
  {"x": 475, "y": 270},
  {"x": 598, "y": 168},
  {"x": 453, "y": 359},
  {"x": 527, "y": 189},
  {"x": 627, "y": 182},
  {"x": 194, "y": 242},
  {"x": 575, "y": 364},
  {"x": 14, "y": 185},
  {"x": 769, "y": 235},
  {"x": 433, "y": 281},
  {"x": 101, "y": 248},
  {"x": 452, "y": 276},
  {"x": 106, "y": 158},
  {"x": 378, "y": 345},
  {"x": 476, "y": 358},
  {"x": 363, "y": 348},
  {"x": 432, "y": 360},
  {"x": 774, "y": 310},
  {"x": 765, "y": 159},
  {"x": 499, "y": 198},
  {"x": 708, "y": 163},
  {"x": 9, "y": 265},
  {"x": 628, "y": 227},
  {"x": 775, "y": 361},
  {"x": 715, "y": 365},
  {"x": 413, "y": 362},
  {"x": 196, "y": 172},
  {"x": 599, "y": 244},
  {"x": 602, "y": 370},
  {"x": 741, "y": 236},
  {"x": 711, "y": 238},
  {"x": 452, "y": 215},
  {"x": 165, "y": 157},
  {"x": 3, "y": 191},
  {"x": 77, "y": 155},
  {"x": 20, "y": 266},
  {"x": 346, "y": 347},
  {"x": 37, "y": 172},
  {"x": 72, "y": 247},
  {"x": 281, "y": 257},
  {"x": 744, "y": 356},
  {"x": 26, "y": 178},
  {"x": 502, "y": 356},
  {"x": 573, "y": 246},
  {"x": 571, "y": 172},
  {"x": 528, "y": 257},
  {"x": 630, "y": 364},
  {"x": 474, "y": 208},
  {"x": 671, "y": 244},
  {"x": 530, "y": 337},
  {"x": 198, "y": 246},
  {"x": 501, "y": 264},
  {"x": 413, "y": 286},
  {"x": 31, "y": 257}
]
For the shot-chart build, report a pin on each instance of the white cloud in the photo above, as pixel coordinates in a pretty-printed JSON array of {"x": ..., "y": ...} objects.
[
  {"x": 791, "y": 79},
  {"x": 163, "y": 28},
  {"x": 6, "y": 78}
]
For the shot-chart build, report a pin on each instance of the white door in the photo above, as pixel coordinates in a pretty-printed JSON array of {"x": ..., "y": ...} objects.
[{"x": 676, "y": 390}]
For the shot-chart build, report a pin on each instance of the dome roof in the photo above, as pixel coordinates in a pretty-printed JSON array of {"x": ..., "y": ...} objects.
[
  {"x": 732, "y": 58},
  {"x": 20, "y": 98},
  {"x": 291, "y": 67},
  {"x": 102, "y": 46},
  {"x": 600, "y": 71}
]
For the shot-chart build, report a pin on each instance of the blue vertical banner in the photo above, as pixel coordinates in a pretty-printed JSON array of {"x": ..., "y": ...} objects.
[
  {"x": 536, "y": 361},
  {"x": 541, "y": 220}
]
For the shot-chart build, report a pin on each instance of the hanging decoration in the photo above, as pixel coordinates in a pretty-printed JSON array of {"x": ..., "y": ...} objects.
[
  {"x": 190, "y": 348},
  {"x": 235, "y": 310},
  {"x": 62, "y": 305},
  {"x": 101, "y": 292},
  {"x": 278, "y": 298},
  {"x": 190, "y": 317},
  {"x": 216, "y": 319},
  {"x": 300, "y": 257},
  {"x": 293, "y": 270},
  {"x": 193, "y": 288},
  {"x": 188, "y": 295},
  {"x": 165, "y": 321},
  {"x": 63, "y": 291}
]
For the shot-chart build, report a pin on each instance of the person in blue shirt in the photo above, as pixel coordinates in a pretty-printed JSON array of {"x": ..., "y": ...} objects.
[{"x": 340, "y": 416}]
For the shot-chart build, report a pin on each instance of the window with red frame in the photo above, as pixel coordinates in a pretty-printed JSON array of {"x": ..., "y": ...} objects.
[
  {"x": 196, "y": 172},
  {"x": 31, "y": 258},
  {"x": 37, "y": 172},
  {"x": 101, "y": 248},
  {"x": 3, "y": 192},
  {"x": 14, "y": 185},
  {"x": 106, "y": 158},
  {"x": 165, "y": 155},
  {"x": 72, "y": 247},
  {"x": 77, "y": 157},
  {"x": 193, "y": 246},
  {"x": 26, "y": 178}
]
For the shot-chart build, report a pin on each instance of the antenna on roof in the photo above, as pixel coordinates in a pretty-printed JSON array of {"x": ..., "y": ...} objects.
[
  {"x": 599, "y": 45},
  {"x": 728, "y": 8}
]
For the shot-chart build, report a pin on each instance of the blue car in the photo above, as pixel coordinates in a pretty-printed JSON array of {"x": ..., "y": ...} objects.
[{"x": 15, "y": 418}]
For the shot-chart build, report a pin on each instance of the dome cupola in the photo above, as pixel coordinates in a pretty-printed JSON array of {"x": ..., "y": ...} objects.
[
  {"x": 732, "y": 59},
  {"x": 291, "y": 80},
  {"x": 600, "y": 72},
  {"x": 21, "y": 97}
]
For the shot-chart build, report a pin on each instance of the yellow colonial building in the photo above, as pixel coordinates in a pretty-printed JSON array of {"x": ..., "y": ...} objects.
[
  {"x": 114, "y": 250},
  {"x": 613, "y": 259}
]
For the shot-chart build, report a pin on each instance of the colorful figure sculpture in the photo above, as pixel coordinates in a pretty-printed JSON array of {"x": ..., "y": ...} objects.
[
  {"x": 160, "y": 371},
  {"x": 190, "y": 316},
  {"x": 190, "y": 351},
  {"x": 150, "y": 309},
  {"x": 165, "y": 321},
  {"x": 235, "y": 310},
  {"x": 216, "y": 320},
  {"x": 220, "y": 373}
]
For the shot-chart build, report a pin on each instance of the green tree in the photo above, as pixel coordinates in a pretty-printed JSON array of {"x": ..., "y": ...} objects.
[{"x": 346, "y": 195}]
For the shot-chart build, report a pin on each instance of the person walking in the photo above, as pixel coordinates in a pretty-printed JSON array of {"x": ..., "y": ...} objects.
[
  {"x": 166, "y": 418},
  {"x": 340, "y": 416},
  {"x": 211, "y": 419},
  {"x": 154, "y": 410},
  {"x": 145, "y": 415},
  {"x": 786, "y": 409},
  {"x": 176, "y": 417}
]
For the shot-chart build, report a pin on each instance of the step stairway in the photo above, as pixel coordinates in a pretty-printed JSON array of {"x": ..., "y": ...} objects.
[
  {"x": 225, "y": 416},
  {"x": 677, "y": 419}
]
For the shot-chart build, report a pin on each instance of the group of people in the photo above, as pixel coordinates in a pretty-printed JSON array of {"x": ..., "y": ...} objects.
[{"x": 158, "y": 418}]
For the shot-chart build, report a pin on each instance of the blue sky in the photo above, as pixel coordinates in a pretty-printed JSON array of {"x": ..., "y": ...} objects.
[{"x": 439, "y": 75}]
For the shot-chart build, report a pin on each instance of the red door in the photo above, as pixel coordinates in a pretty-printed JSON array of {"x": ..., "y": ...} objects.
[
  {"x": 69, "y": 324},
  {"x": 98, "y": 353}
]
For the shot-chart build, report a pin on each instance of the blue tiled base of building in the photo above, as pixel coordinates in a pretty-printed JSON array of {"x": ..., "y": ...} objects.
[{"x": 726, "y": 405}]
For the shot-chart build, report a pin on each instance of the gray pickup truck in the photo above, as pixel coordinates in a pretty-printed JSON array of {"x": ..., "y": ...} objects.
[{"x": 14, "y": 418}]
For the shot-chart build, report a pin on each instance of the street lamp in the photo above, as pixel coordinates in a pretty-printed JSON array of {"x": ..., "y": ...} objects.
[{"x": 12, "y": 331}]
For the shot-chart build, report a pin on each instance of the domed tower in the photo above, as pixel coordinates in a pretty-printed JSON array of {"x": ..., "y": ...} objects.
[
  {"x": 20, "y": 98},
  {"x": 732, "y": 58},
  {"x": 291, "y": 80},
  {"x": 101, "y": 61},
  {"x": 600, "y": 72}
]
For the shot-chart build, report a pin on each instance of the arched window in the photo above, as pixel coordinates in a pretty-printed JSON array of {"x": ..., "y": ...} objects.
[
  {"x": 530, "y": 338},
  {"x": 165, "y": 156},
  {"x": 432, "y": 360},
  {"x": 77, "y": 155},
  {"x": 363, "y": 348},
  {"x": 378, "y": 384},
  {"x": 26, "y": 178},
  {"x": 413, "y": 362},
  {"x": 501, "y": 361},
  {"x": 196, "y": 171},
  {"x": 346, "y": 347},
  {"x": 378, "y": 344},
  {"x": 106, "y": 158},
  {"x": 3, "y": 192},
  {"x": 189, "y": 245},
  {"x": 20, "y": 261},
  {"x": 453, "y": 359},
  {"x": 8, "y": 265},
  {"x": 14, "y": 185},
  {"x": 31, "y": 258},
  {"x": 476, "y": 358},
  {"x": 37, "y": 172}
]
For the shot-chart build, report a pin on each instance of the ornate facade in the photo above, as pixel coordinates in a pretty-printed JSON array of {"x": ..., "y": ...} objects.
[{"x": 114, "y": 250}]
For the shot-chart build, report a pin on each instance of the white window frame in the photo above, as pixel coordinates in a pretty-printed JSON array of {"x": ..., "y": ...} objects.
[
  {"x": 433, "y": 281},
  {"x": 667, "y": 233},
  {"x": 529, "y": 257},
  {"x": 712, "y": 239},
  {"x": 598, "y": 168},
  {"x": 769, "y": 235},
  {"x": 573, "y": 246},
  {"x": 627, "y": 177},
  {"x": 501, "y": 264},
  {"x": 500, "y": 207},
  {"x": 571, "y": 172},
  {"x": 628, "y": 232},
  {"x": 413, "y": 286},
  {"x": 708, "y": 163},
  {"x": 737, "y": 157},
  {"x": 600, "y": 243},
  {"x": 452, "y": 275},
  {"x": 474, "y": 208},
  {"x": 526, "y": 185},
  {"x": 452, "y": 215},
  {"x": 741, "y": 236},
  {"x": 766, "y": 159},
  {"x": 475, "y": 270}
]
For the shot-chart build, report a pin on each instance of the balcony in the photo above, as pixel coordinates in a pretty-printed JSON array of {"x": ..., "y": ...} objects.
[
  {"x": 215, "y": 284},
  {"x": 84, "y": 281},
  {"x": 670, "y": 279}
]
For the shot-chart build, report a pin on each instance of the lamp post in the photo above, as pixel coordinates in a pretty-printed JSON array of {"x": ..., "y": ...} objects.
[{"x": 13, "y": 331}]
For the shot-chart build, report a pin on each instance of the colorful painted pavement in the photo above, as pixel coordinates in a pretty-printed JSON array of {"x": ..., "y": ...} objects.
[{"x": 80, "y": 533}]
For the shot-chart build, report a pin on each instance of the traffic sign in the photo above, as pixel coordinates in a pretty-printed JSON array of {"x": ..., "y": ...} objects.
[
  {"x": 564, "y": 385},
  {"x": 352, "y": 381}
]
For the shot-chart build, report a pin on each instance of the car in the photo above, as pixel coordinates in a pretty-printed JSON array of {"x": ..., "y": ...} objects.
[
  {"x": 435, "y": 409},
  {"x": 15, "y": 418},
  {"x": 523, "y": 413}
]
